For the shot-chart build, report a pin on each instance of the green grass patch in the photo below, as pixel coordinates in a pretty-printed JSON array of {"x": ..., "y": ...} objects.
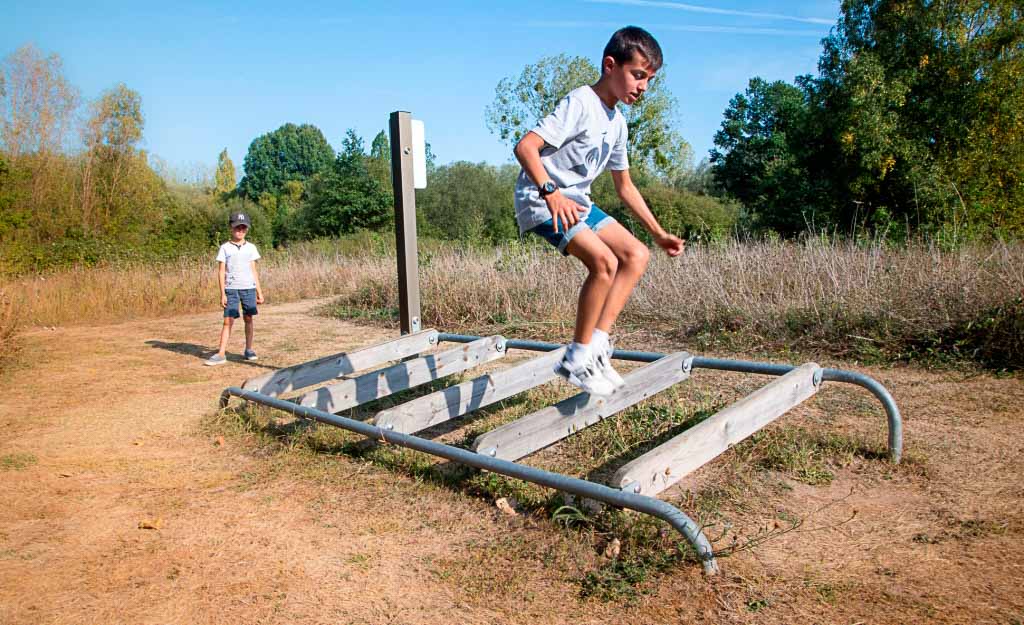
[{"x": 17, "y": 461}]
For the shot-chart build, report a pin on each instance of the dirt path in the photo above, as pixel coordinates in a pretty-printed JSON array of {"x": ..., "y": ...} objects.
[{"x": 100, "y": 431}]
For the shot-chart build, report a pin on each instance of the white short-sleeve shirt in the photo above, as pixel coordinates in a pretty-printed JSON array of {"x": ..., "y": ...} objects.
[
  {"x": 238, "y": 261},
  {"x": 583, "y": 137}
]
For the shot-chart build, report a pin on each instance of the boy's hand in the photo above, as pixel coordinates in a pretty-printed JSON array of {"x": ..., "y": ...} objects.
[
  {"x": 672, "y": 244},
  {"x": 259, "y": 297},
  {"x": 563, "y": 208},
  {"x": 223, "y": 299}
]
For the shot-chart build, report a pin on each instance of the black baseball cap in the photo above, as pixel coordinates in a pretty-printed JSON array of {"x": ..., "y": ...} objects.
[{"x": 240, "y": 219}]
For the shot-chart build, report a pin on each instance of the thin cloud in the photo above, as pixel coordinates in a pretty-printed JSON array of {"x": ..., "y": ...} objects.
[
  {"x": 732, "y": 30},
  {"x": 695, "y": 8}
]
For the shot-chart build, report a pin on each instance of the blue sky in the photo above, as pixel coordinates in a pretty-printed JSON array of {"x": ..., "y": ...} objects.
[{"x": 218, "y": 75}]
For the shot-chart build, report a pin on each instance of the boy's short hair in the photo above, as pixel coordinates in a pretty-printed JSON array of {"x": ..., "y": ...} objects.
[{"x": 632, "y": 39}]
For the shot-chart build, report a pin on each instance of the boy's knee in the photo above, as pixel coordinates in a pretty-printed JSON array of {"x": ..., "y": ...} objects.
[
  {"x": 605, "y": 266},
  {"x": 247, "y": 319},
  {"x": 637, "y": 256}
]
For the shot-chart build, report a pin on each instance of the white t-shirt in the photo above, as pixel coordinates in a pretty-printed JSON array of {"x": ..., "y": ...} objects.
[
  {"x": 238, "y": 260},
  {"x": 583, "y": 137}
]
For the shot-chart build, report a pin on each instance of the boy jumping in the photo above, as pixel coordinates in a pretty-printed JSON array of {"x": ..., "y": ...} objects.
[
  {"x": 561, "y": 158},
  {"x": 239, "y": 285}
]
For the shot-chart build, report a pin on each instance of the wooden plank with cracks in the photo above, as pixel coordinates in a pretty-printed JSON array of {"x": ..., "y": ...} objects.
[
  {"x": 456, "y": 401},
  {"x": 405, "y": 375},
  {"x": 668, "y": 463},
  {"x": 550, "y": 425},
  {"x": 299, "y": 376}
]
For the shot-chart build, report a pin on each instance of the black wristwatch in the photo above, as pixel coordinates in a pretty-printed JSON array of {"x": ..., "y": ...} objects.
[{"x": 547, "y": 188}]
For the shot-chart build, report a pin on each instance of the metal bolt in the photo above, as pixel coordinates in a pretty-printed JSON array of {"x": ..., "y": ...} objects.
[{"x": 407, "y": 150}]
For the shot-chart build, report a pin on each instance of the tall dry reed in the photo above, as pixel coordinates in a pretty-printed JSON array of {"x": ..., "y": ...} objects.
[
  {"x": 817, "y": 293},
  {"x": 115, "y": 293}
]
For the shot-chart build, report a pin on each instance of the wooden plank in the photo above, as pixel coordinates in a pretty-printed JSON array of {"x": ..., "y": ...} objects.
[
  {"x": 666, "y": 464},
  {"x": 404, "y": 375},
  {"x": 429, "y": 410},
  {"x": 550, "y": 425},
  {"x": 334, "y": 366}
]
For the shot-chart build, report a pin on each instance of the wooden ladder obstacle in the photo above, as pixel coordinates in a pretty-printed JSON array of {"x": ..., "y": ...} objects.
[{"x": 353, "y": 379}]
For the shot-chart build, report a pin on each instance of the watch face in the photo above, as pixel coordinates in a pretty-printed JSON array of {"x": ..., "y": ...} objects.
[{"x": 549, "y": 187}]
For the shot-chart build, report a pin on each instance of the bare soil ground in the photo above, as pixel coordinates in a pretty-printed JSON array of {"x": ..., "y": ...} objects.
[{"x": 121, "y": 505}]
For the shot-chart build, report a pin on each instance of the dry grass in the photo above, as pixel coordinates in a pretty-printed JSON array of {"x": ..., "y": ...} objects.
[
  {"x": 871, "y": 301},
  {"x": 9, "y": 325},
  {"x": 864, "y": 300},
  {"x": 115, "y": 293}
]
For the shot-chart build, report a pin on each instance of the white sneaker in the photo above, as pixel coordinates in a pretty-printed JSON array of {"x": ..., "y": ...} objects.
[
  {"x": 603, "y": 361},
  {"x": 585, "y": 376}
]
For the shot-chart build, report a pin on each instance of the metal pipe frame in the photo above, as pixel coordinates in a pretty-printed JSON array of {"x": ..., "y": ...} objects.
[
  {"x": 892, "y": 412},
  {"x": 620, "y": 498}
]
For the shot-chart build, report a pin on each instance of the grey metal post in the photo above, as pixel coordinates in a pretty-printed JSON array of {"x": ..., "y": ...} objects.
[{"x": 405, "y": 222}]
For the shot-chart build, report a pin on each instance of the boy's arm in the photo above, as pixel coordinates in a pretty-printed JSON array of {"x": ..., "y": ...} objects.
[
  {"x": 256, "y": 278},
  {"x": 222, "y": 269},
  {"x": 527, "y": 151},
  {"x": 631, "y": 197}
]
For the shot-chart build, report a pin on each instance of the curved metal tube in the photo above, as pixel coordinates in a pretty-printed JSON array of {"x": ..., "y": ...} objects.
[
  {"x": 648, "y": 505},
  {"x": 892, "y": 412}
]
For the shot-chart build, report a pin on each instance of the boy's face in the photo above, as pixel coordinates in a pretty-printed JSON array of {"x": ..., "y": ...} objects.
[
  {"x": 629, "y": 80},
  {"x": 238, "y": 232}
]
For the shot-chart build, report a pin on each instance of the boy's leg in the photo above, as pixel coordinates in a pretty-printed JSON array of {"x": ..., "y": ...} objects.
[
  {"x": 603, "y": 266},
  {"x": 225, "y": 334},
  {"x": 632, "y": 257},
  {"x": 249, "y": 331}
]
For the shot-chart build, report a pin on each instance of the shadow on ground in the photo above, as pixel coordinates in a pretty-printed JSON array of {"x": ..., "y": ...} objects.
[{"x": 203, "y": 352}]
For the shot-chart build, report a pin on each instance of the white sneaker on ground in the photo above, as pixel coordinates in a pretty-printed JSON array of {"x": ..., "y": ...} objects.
[
  {"x": 603, "y": 361},
  {"x": 215, "y": 360},
  {"x": 585, "y": 376}
]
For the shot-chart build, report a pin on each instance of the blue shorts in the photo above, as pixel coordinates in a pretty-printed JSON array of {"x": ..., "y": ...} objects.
[
  {"x": 595, "y": 220},
  {"x": 247, "y": 297}
]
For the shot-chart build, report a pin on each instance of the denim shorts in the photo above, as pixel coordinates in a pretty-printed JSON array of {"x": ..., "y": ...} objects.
[
  {"x": 247, "y": 297},
  {"x": 596, "y": 219}
]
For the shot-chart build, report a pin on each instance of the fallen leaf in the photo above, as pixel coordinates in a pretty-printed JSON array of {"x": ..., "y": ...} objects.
[
  {"x": 505, "y": 505},
  {"x": 613, "y": 548},
  {"x": 151, "y": 524}
]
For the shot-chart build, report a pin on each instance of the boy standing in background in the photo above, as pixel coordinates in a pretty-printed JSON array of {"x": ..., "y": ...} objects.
[{"x": 239, "y": 286}]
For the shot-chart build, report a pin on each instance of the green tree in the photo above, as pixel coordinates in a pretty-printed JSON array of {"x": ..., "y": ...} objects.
[
  {"x": 224, "y": 179},
  {"x": 346, "y": 198},
  {"x": 120, "y": 192},
  {"x": 761, "y": 156},
  {"x": 655, "y": 147},
  {"x": 289, "y": 153},
  {"x": 468, "y": 202},
  {"x": 924, "y": 108},
  {"x": 379, "y": 162}
]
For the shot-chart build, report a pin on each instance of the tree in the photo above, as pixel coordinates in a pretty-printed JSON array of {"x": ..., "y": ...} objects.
[
  {"x": 655, "y": 147},
  {"x": 225, "y": 176},
  {"x": 37, "y": 104},
  {"x": 468, "y": 202},
  {"x": 925, "y": 110},
  {"x": 289, "y": 153},
  {"x": 119, "y": 189},
  {"x": 379, "y": 162},
  {"x": 346, "y": 198},
  {"x": 761, "y": 155}
]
